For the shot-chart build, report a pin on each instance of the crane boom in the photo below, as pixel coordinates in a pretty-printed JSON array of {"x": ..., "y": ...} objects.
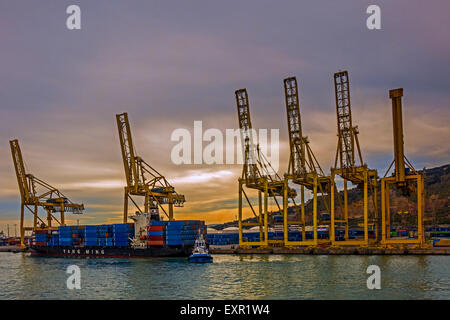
[
  {"x": 126, "y": 143},
  {"x": 143, "y": 179},
  {"x": 20, "y": 170},
  {"x": 346, "y": 166},
  {"x": 346, "y": 132},
  {"x": 250, "y": 169},
  {"x": 399, "y": 155},
  {"x": 36, "y": 193},
  {"x": 404, "y": 178},
  {"x": 302, "y": 163},
  {"x": 257, "y": 174},
  {"x": 297, "y": 155},
  {"x": 348, "y": 143},
  {"x": 303, "y": 169}
]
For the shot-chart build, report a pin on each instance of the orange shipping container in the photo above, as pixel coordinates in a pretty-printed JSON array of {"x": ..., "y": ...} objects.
[
  {"x": 156, "y": 228},
  {"x": 155, "y": 243}
]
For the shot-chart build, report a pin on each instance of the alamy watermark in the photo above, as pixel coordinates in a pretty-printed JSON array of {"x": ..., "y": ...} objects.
[
  {"x": 74, "y": 280},
  {"x": 224, "y": 147},
  {"x": 73, "y": 21},
  {"x": 373, "y": 22},
  {"x": 374, "y": 280}
]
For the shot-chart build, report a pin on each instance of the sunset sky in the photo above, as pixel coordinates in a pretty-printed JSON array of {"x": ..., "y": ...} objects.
[{"x": 170, "y": 63}]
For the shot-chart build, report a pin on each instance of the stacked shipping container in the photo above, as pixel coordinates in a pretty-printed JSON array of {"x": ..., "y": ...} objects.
[
  {"x": 71, "y": 235},
  {"x": 233, "y": 238},
  {"x": 122, "y": 233},
  {"x": 41, "y": 237},
  {"x": 91, "y": 235},
  {"x": 156, "y": 234},
  {"x": 159, "y": 233},
  {"x": 183, "y": 232}
]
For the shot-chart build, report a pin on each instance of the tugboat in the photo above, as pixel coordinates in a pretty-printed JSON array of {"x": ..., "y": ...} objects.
[{"x": 200, "y": 253}]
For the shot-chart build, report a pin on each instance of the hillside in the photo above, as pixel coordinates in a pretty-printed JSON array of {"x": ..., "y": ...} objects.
[{"x": 437, "y": 201}]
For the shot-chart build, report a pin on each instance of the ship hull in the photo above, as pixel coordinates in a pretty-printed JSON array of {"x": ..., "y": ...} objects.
[
  {"x": 111, "y": 252},
  {"x": 200, "y": 258}
]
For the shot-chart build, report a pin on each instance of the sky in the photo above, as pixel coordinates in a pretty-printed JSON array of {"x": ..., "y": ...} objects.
[{"x": 170, "y": 63}]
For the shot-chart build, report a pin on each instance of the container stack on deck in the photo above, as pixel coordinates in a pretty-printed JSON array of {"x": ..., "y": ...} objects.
[
  {"x": 122, "y": 233},
  {"x": 159, "y": 233},
  {"x": 41, "y": 237},
  {"x": 53, "y": 239},
  {"x": 104, "y": 233},
  {"x": 183, "y": 232},
  {"x": 71, "y": 235},
  {"x": 156, "y": 235},
  {"x": 90, "y": 236}
]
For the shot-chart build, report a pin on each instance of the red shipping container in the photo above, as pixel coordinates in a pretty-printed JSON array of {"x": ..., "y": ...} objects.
[
  {"x": 156, "y": 238},
  {"x": 156, "y": 228},
  {"x": 155, "y": 243}
]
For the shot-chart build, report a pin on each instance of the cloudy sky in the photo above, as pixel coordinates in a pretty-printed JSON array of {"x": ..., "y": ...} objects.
[{"x": 170, "y": 63}]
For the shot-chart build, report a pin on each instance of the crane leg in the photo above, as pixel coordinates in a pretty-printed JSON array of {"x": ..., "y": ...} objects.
[
  {"x": 35, "y": 217},
  {"x": 315, "y": 210},
  {"x": 332, "y": 212},
  {"x": 302, "y": 199},
  {"x": 125, "y": 206},
  {"x": 240, "y": 213},
  {"x": 285, "y": 212},
  {"x": 22, "y": 230},
  {"x": 266, "y": 231},
  {"x": 366, "y": 210}
]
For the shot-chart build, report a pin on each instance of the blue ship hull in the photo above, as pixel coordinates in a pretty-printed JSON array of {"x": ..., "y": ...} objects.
[{"x": 200, "y": 258}]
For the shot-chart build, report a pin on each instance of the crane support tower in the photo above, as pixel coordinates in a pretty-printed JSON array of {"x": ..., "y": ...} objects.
[
  {"x": 349, "y": 170},
  {"x": 404, "y": 178},
  {"x": 36, "y": 194},
  {"x": 257, "y": 174},
  {"x": 303, "y": 170},
  {"x": 143, "y": 180}
]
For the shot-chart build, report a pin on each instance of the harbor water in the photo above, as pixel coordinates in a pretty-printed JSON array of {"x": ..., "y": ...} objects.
[{"x": 229, "y": 277}]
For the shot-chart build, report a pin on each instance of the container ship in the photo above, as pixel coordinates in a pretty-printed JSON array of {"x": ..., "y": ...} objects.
[{"x": 142, "y": 238}]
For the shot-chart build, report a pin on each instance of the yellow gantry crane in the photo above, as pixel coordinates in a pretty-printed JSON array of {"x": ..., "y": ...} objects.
[
  {"x": 143, "y": 180},
  {"x": 257, "y": 174},
  {"x": 347, "y": 167},
  {"x": 404, "y": 178},
  {"x": 304, "y": 169},
  {"x": 36, "y": 194}
]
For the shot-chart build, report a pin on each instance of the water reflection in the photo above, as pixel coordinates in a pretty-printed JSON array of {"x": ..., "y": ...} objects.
[{"x": 229, "y": 277}]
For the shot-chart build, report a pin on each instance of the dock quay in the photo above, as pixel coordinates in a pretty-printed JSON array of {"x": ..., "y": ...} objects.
[
  {"x": 338, "y": 251},
  {"x": 12, "y": 249}
]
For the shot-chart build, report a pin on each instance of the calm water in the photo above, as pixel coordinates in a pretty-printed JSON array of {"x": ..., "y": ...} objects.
[{"x": 229, "y": 277}]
